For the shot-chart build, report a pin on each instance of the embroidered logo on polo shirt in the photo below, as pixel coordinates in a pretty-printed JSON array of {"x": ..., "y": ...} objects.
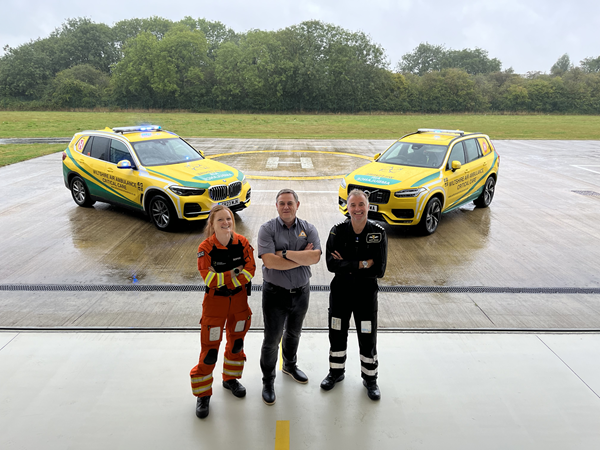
[
  {"x": 373, "y": 238},
  {"x": 302, "y": 234}
]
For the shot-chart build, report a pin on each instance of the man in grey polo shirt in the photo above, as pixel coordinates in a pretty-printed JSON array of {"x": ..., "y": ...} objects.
[{"x": 288, "y": 246}]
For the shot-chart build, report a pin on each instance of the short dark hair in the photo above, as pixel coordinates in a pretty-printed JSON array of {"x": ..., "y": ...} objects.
[{"x": 287, "y": 191}]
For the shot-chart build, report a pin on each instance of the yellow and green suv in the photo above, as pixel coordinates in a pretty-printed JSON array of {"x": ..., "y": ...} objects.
[
  {"x": 425, "y": 174},
  {"x": 152, "y": 170}
]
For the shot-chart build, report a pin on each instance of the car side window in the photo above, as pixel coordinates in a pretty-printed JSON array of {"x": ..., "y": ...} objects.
[
  {"x": 118, "y": 152},
  {"x": 473, "y": 150},
  {"x": 99, "y": 148},
  {"x": 457, "y": 154}
]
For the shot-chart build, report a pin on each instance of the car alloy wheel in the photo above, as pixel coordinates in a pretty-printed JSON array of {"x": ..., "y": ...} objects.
[
  {"x": 80, "y": 192},
  {"x": 484, "y": 200},
  {"x": 162, "y": 213},
  {"x": 431, "y": 216}
]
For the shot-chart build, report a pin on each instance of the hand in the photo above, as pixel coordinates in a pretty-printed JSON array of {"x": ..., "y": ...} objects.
[
  {"x": 337, "y": 256},
  {"x": 211, "y": 269},
  {"x": 309, "y": 246}
]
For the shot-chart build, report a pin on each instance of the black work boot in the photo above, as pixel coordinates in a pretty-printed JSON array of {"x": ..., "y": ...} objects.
[
  {"x": 268, "y": 393},
  {"x": 202, "y": 406},
  {"x": 330, "y": 380},
  {"x": 235, "y": 387},
  {"x": 372, "y": 389}
]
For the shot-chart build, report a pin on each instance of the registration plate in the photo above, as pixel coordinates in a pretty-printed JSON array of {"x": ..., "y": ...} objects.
[
  {"x": 372, "y": 207},
  {"x": 235, "y": 201}
]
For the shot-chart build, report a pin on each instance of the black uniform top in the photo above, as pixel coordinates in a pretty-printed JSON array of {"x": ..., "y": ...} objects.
[{"x": 371, "y": 243}]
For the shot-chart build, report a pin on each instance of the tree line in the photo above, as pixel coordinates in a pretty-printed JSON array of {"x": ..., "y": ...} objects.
[{"x": 201, "y": 65}]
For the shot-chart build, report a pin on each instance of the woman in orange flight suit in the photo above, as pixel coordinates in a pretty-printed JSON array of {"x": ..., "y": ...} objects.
[{"x": 226, "y": 263}]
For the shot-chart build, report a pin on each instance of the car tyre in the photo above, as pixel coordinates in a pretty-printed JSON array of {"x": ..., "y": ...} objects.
[
  {"x": 80, "y": 192},
  {"x": 162, "y": 213},
  {"x": 484, "y": 200},
  {"x": 431, "y": 216}
]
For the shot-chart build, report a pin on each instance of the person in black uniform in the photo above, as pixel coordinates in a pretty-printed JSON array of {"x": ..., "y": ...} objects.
[{"x": 357, "y": 254}]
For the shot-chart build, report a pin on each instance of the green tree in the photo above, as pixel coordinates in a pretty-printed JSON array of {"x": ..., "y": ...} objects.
[
  {"x": 561, "y": 66},
  {"x": 591, "y": 65},
  {"x": 81, "y": 86},
  {"x": 26, "y": 70},
  {"x": 423, "y": 59},
  {"x": 471, "y": 61}
]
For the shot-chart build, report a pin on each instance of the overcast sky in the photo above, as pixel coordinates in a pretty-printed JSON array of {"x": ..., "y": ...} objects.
[{"x": 527, "y": 35}]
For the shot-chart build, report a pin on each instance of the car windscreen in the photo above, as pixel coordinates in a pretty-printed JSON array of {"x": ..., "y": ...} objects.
[
  {"x": 412, "y": 154},
  {"x": 160, "y": 152}
]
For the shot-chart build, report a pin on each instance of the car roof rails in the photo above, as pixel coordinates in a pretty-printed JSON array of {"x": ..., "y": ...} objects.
[
  {"x": 136, "y": 128},
  {"x": 436, "y": 130}
]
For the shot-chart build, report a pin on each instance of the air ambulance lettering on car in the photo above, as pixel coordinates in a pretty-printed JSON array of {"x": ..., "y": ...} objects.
[
  {"x": 150, "y": 169},
  {"x": 427, "y": 173}
]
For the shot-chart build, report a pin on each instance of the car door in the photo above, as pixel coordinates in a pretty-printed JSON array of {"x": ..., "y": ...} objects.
[
  {"x": 93, "y": 162},
  {"x": 125, "y": 182},
  {"x": 454, "y": 180}
]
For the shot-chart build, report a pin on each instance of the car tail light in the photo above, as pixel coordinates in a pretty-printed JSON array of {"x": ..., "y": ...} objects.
[{"x": 64, "y": 156}]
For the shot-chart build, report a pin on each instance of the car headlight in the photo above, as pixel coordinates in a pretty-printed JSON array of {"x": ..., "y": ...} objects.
[
  {"x": 185, "y": 191},
  {"x": 409, "y": 192},
  {"x": 343, "y": 183}
]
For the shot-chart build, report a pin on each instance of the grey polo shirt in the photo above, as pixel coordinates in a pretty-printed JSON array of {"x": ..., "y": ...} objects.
[{"x": 273, "y": 236}]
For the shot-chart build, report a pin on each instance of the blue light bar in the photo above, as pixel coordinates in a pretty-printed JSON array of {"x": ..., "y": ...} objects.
[{"x": 137, "y": 128}]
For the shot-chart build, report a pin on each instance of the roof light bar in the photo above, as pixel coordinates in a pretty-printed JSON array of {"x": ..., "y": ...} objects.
[
  {"x": 435, "y": 130},
  {"x": 137, "y": 128}
]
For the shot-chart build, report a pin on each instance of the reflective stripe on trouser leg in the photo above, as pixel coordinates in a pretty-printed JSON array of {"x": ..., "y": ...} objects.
[
  {"x": 232, "y": 369},
  {"x": 337, "y": 360},
  {"x": 201, "y": 385}
]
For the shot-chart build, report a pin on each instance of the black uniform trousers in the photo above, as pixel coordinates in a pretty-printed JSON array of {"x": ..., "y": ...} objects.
[{"x": 352, "y": 296}]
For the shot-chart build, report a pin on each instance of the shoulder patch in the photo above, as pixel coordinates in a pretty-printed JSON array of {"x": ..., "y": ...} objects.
[
  {"x": 373, "y": 238},
  {"x": 200, "y": 254}
]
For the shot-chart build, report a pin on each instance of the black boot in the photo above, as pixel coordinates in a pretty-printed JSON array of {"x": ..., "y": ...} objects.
[
  {"x": 372, "y": 389},
  {"x": 202, "y": 406},
  {"x": 268, "y": 393}
]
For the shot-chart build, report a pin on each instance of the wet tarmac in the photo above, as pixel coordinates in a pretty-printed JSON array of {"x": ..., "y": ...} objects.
[{"x": 541, "y": 231}]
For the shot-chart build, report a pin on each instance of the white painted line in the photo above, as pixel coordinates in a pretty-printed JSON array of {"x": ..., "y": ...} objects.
[{"x": 584, "y": 168}]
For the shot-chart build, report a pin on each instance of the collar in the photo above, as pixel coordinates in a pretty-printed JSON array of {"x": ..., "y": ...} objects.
[
  {"x": 282, "y": 223},
  {"x": 215, "y": 241}
]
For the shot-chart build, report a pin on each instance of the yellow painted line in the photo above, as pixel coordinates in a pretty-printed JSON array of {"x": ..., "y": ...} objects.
[
  {"x": 263, "y": 177},
  {"x": 289, "y": 151},
  {"x": 282, "y": 435},
  {"x": 280, "y": 355}
]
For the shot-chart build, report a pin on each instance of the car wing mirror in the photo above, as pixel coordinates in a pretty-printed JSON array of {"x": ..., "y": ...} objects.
[
  {"x": 376, "y": 156},
  {"x": 125, "y": 164},
  {"x": 456, "y": 165}
]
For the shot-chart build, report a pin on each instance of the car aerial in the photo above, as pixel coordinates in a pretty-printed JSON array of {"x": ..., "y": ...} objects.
[
  {"x": 425, "y": 174},
  {"x": 152, "y": 170}
]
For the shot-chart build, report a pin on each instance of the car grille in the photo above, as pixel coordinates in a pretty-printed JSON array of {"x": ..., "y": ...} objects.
[
  {"x": 376, "y": 196},
  {"x": 222, "y": 191}
]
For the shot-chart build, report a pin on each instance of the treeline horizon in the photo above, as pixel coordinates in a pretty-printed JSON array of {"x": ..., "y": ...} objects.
[{"x": 200, "y": 65}]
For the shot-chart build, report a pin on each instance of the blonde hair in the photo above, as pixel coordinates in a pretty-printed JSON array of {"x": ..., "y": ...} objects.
[{"x": 210, "y": 225}]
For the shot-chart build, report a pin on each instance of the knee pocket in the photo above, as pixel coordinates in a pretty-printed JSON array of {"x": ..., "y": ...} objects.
[
  {"x": 238, "y": 346},
  {"x": 211, "y": 356}
]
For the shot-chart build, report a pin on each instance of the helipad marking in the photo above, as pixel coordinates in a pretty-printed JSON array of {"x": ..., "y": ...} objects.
[{"x": 275, "y": 161}]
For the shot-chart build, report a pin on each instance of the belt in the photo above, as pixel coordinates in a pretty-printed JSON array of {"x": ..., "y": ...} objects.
[
  {"x": 223, "y": 292},
  {"x": 281, "y": 289}
]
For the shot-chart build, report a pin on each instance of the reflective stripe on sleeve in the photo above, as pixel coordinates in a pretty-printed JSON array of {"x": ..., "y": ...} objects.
[
  {"x": 247, "y": 274},
  {"x": 220, "y": 279},
  {"x": 235, "y": 281},
  {"x": 209, "y": 277}
]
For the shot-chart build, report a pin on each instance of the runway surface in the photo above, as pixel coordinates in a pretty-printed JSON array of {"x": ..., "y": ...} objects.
[{"x": 489, "y": 328}]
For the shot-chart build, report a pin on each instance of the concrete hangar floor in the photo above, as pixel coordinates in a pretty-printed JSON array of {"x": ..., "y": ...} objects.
[{"x": 491, "y": 342}]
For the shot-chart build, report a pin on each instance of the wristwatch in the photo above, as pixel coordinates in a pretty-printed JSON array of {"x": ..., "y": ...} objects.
[
  {"x": 236, "y": 271},
  {"x": 284, "y": 254},
  {"x": 365, "y": 264}
]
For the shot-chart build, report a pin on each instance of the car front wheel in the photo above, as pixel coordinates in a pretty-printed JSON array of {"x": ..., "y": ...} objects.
[
  {"x": 431, "y": 216},
  {"x": 80, "y": 192},
  {"x": 162, "y": 213},
  {"x": 484, "y": 200}
]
